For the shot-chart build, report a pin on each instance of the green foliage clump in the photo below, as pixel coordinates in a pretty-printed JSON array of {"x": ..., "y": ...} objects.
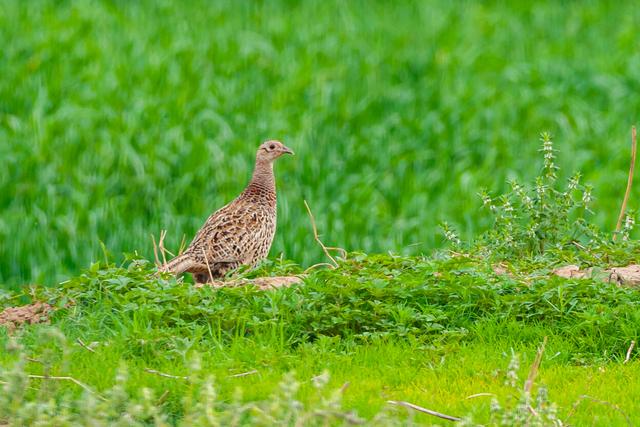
[
  {"x": 547, "y": 221},
  {"x": 529, "y": 220},
  {"x": 367, "y": 297}
]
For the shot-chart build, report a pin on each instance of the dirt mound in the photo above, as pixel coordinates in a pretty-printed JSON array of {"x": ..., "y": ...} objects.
[
  {"x": 628, "y": 276},
  {"x": 13, "y": 317},
  {"x": 262, "y": 283}
]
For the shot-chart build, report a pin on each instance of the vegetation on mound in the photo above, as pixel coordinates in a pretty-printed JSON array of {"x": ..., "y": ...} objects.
[
  {"x": 440, "y": 306},
  {"x": 368, "y": 296}
]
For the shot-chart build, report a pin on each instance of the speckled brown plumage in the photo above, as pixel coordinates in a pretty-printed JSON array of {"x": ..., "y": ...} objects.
[{"x": 239, "y": 233}]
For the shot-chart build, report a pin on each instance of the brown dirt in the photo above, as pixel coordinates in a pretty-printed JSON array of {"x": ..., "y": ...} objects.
[
  {"x": 627, "y": 276},
  {"x": 14, "y": 317},
  {"x": 263, "y": 283}
]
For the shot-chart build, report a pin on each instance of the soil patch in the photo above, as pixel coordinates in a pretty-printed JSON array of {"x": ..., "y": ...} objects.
[
  {"x": 14, "y": 317},
  {"x": 628, "y": 276},
  {"x": 262, "y": 283}
]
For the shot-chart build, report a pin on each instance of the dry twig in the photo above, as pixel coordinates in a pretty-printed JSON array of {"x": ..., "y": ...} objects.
[
  {"x": 155, "y": 252},
  {"x": 163, "y": 250},
  {"x": 162, "y": 374},
  {"x": 243, "y": 374},
  {"x": 71, "y": 379},
  {"x": 424, "y": 410},
  {"x": 83, "y": 345},
  {"x": 627, "y": 193},
  {"x": 629, "y": 350},
  {"x": 314, "y": 266},
  {"x": 160, "y": 248},
  {"x": 341, "y": 251},
  {"x": 325, "y": 249},
  {"x": 473, "y": 396},
  {"x": 533, "y": 372},
  {"x": 162, "y": 398},
  {"x": 183, "y": 244}
]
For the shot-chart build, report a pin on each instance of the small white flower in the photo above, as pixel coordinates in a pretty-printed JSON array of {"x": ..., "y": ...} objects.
[
  {"x": 486, "y": 200},
  {"x": 629, "y": 222},
  {"x": 573, "y": 182},
  {"x": 507, "y": 206},
  {"x": 512, "y": 371}
]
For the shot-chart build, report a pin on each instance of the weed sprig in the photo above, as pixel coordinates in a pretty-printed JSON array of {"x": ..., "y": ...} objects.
[{"x": 531, "y": 219}]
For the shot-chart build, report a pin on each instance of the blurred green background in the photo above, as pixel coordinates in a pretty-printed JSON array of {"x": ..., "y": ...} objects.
[{"x": 119, "y": 119}]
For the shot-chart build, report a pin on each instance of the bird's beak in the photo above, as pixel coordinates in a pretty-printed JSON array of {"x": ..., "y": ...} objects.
[{"x": 287, "y": 150}]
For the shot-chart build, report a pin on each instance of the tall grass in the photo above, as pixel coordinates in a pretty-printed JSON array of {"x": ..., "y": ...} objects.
[{"x": 118, "y": 119}]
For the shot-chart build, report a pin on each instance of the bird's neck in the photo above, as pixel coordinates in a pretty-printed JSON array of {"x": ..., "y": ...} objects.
[{"x": 263, "y": 184}]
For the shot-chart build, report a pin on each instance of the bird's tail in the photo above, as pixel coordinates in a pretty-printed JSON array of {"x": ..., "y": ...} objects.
[{"x": 178, "y": 265}]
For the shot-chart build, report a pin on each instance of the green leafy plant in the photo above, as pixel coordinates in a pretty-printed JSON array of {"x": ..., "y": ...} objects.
[
  {"x": 531, "y": 219},
  {"x": 368, "y": 297}
]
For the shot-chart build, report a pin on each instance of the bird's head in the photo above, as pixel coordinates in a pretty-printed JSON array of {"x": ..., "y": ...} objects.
[{"x": 271, "y": 150}]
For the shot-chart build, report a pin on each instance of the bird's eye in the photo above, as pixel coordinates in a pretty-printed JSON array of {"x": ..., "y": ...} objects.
[{"x": 272, "y": 146}]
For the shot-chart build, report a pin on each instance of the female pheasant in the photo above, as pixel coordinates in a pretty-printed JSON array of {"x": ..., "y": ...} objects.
[{"x": 239, "y": 233}]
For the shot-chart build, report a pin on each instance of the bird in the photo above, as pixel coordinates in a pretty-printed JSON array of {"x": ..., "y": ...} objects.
[{"x": 239, "y": 233}]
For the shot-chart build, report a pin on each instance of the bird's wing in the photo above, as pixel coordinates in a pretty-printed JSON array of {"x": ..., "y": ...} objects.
[{"x": 228, "y": 235}]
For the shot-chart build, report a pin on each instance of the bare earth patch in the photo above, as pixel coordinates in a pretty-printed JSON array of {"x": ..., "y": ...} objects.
[
  {"x": 14, "y": 317},
  {"x": 628, "y": 276},
  {"x": 262, "y": 283}
]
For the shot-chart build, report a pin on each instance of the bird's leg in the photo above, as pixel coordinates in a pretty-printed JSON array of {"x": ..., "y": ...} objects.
[
  {"x": 202, "y": 277},
  {"x": 216, "y": 271}
]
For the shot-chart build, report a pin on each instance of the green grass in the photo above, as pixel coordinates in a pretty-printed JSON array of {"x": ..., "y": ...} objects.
[
  {"x": 119, "y": 119},
  {"x": 430, "y": 331},
  {"x": 377, "y": 373}
]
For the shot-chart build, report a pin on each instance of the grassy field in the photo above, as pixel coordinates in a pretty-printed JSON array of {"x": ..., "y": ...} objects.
[
  {"x": 119, "y": 119},
  {"x": 432, "y": 332}
]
